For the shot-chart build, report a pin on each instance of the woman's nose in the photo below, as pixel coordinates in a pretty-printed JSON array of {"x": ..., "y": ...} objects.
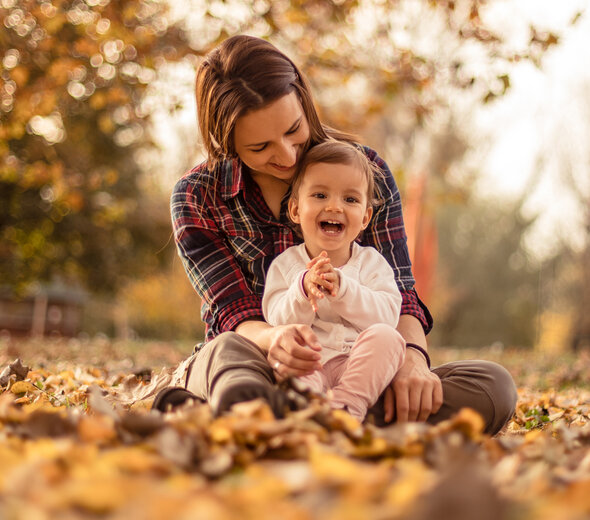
[{"x": 288, "y": 154}]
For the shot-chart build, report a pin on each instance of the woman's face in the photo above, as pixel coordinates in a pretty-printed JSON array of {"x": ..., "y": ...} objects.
[{"x": 269, "y": 141}]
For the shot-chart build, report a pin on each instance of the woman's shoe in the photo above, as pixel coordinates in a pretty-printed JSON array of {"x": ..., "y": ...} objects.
[{"x": 172, "y": 397}]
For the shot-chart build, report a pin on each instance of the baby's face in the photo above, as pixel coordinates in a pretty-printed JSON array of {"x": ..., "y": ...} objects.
[{"x": 332, "y": 208}]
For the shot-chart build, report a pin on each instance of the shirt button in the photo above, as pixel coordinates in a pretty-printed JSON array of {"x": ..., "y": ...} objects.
[{"x": 285, "y": 231}]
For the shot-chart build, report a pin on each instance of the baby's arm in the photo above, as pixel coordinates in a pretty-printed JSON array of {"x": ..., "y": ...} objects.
[
  {"x": 372, "y": 298},
  {"x": 284, "y": 301}
]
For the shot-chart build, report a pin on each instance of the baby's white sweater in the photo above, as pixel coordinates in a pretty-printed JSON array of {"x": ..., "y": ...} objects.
[{"x": 368, "y": 295}]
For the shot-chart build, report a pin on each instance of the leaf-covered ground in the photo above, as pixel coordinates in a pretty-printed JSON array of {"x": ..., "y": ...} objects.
[{"x": 67, "y": 450}]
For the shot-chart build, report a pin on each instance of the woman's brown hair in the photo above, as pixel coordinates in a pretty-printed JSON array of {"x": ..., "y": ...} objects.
[{"x": 242, "y": 74}]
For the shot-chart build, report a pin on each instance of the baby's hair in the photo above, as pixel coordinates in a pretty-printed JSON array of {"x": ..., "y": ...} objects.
[{"x": 337, "y": 152}]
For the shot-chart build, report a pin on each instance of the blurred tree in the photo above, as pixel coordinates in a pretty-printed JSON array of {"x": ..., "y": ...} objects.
[
  {"x": 564, "y": 156},
  {"x": 72, "y": 122},
  {"x": 487, "y": 288},
  {"x": 73, "y": 119},
  {"x": 152, "y": 306},
  {"x": 379, "y": 67}
]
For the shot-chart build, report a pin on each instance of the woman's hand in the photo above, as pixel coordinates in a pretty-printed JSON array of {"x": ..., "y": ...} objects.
[
  {"x": 321, "y": 279},
  {"x": 293, "y": 351},
  {"x": 418, "y": 391}
]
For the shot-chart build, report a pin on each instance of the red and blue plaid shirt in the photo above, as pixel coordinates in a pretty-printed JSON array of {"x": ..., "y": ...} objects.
[{"x": 227, "y": 237}]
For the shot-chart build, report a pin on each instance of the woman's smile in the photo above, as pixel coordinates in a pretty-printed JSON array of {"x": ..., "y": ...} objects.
[
  {"x": 270, "y": 140},
  {"x": 282, "y": 168}
]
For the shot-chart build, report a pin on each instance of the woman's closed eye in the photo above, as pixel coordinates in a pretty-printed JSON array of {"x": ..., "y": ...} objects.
[
  {"x": 263, "y": 146},
  {"x": 294, "y": 129}
]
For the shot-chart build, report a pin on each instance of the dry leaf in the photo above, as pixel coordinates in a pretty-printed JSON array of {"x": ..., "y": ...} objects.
[{"x": 96, "y": 428}]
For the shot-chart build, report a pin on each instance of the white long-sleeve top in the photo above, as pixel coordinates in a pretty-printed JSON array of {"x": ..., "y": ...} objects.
[{"x": 368, "y": 295}]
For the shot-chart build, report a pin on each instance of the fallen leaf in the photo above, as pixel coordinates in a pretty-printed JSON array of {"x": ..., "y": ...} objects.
[
  {"x": 96, "y": 428},
  {"x": 15, "y": 368},
  {"x": 22, "y": 387}
]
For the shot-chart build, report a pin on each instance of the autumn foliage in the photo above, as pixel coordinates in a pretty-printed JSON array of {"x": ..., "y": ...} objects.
[
  {"x": 71, "y": 446},
  {"x": 73, "y": 74}
]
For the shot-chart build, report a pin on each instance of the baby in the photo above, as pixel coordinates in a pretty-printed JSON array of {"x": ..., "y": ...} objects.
[{"x": 346, "y": 293}]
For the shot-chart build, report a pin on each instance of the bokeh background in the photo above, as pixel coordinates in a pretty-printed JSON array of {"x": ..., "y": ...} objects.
[{"x": 479, "y": 107}]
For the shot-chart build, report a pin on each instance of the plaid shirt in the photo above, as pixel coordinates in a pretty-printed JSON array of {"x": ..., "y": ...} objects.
[{"x": 227, "y": 237}]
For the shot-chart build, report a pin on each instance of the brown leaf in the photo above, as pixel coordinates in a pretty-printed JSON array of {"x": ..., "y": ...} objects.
[
  {"x": 175, "y": 447},
  {"x": 142, "y": 424},
  {"x": 15, "y": 368},
  {"x": 217, "y": 463},
  {"x": 41, "y": 423},
  {"x": 465, "y": 492},
  {"x": 98, "y": 403}
]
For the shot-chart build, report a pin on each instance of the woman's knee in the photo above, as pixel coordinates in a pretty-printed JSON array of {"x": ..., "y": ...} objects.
[
  {"x": 482, "y": 385},
  {"x": 231, "y": 347},
  {"x": 503, "y": 394}
]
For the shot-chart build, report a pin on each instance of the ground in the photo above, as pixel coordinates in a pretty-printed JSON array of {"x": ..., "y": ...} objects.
[{"x": 71, "y": 446}]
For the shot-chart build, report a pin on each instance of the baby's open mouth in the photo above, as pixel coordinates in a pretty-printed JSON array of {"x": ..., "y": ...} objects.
[{"x": 331, "y": 226}]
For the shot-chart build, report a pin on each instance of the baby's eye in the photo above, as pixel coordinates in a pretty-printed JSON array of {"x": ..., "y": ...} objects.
[
  {"x": 318, "y": 196},
  {"x": 351, "y": 200}
]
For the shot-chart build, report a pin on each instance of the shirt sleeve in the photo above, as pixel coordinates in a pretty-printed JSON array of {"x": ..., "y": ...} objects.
[
  {"x": 284, "y": 301},
  {"x": 210, "y": 265},
  {"x": 372, "y": 298},
  {"x": 386, "y": 233}
]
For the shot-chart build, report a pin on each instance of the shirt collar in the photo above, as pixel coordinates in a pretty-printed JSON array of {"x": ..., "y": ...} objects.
[{"x": 232, "y": 176}]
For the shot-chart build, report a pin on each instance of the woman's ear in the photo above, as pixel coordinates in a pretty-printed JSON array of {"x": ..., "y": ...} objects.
[
  {"x": 367, "y": 217},
  {"x": 294, "y": 210}
]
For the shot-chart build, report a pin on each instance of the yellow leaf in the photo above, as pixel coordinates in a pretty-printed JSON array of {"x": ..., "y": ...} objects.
[
  {"x": 348, "y": 422},
  {"x": 332, "y": 467},
  {"x": 466, "y": 420},
  {"x": 377, "y": 447},
  {"x": 99, "y": 495},
  {"x": 21, "y": 387},
  {"x": 43, "y": 405},
  {"x": 414, "y": 479},
  {"x": 135, "y": 459},
  {"x": 220, "y": 432},
  {"x": 96, "y": 428}
]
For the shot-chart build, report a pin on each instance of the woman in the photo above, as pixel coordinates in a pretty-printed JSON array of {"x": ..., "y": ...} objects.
[{"x": 257, "y": 117}]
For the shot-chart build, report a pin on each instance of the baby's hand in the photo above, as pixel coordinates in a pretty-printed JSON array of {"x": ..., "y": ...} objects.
[{"x": 321, "y": 279}]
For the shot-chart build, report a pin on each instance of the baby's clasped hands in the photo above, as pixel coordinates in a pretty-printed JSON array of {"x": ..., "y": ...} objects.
[{"x": 321, "y": 279}]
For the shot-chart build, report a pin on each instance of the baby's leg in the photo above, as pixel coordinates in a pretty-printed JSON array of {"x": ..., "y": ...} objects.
[
  {"x": 315, "y": 382},
  {"x": 376, "y": 356}
]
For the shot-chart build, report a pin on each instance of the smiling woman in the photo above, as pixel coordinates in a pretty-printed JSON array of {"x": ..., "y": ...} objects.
[
  {"x": 230, "y": 217},
  {"x": 269, "y": 141}
]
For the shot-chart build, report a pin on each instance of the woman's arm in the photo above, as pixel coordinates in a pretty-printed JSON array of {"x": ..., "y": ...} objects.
[
  {"x": 208, "y": 261},
  {"x": 415, "y": 391},
  {"x": 228, "y": 302},
  {"x": 386, "y": 233},
  {"x": 294, "y": 347}
]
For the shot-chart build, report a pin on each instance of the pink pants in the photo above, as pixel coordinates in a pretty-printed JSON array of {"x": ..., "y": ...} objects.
[{"x": 357, "y": 379}]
